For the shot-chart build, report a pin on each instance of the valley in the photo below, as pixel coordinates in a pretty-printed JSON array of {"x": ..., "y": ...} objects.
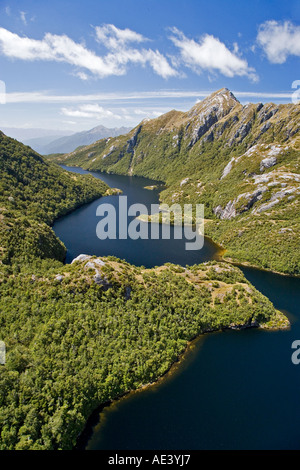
[
  {"x": 86, "y": 332},
  {"x": 241, "y": 161}
]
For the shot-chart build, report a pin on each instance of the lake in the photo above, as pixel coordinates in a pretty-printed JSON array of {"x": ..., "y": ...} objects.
[{"x": 231, "y": 390}]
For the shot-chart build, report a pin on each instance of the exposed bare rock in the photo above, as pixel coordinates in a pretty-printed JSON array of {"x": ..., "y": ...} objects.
[
  {"x": 228, "y": 212},
  {"x": 133, "y": 140},
  {"x": 81, "y": 258},
  {"x": 228, "y": 168},
  {"x": 243, "y": 131},
  {"x": 209, "y": 112},
  {"x": 205, "y": 123},
  {"x": 267, "y": 163},
  {"x": 265, "y": 128},
  {"x": 267, "y": 206},
  {"x": 112, "y": 148},
  {"x": 267, "y": 112},
  {"x": 184, "y": 181}
]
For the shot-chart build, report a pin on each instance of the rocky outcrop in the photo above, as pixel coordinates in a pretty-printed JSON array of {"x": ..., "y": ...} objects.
[
  {"x": 208, "y": 113},
  {"x": 231, "y": 209},
  {"x": 184, "y": 181},
  {"x": 227, "y": 213},
  {"x": 133, "y": 140},
  {"x": 81, "y": 258},
  {"x": 203, "y": 126},
  {"x": 112, "y": 148},
  {"x": 95, "y": 264},
  {"x": 242, "y": 131},
  {"x": 228, "y": 168},
  {"x": 267, "y": 163},
  {"x": 267, "y": 112}
]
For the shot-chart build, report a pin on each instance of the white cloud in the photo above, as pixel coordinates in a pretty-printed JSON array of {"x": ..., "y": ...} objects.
[
  {"x": 7, "y": 11},
  {"x": 96, "y": 112},
  {"x": 93, "y": 111},
  {"x": 83, "y": 76},
  {"x": 113, "y": 37},
  {"x": 279, "y": 40},
  {"x": 73, "y": 123},
  {"x": 117, "y": 42},
  {"x": 61, "y": 48},
  {"x": 52, "y": 47},
  {"x": 149, "y": 113},
  {"x": 45, "y": 96},
  {"x": 212, "y": 55},
  {"x": 23, "y": 17}
]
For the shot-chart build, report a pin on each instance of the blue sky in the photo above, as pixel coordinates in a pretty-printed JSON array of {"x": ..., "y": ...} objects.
[{"x": 73, "y": 65}]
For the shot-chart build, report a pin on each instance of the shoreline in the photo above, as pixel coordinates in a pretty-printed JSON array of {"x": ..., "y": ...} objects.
[
  {"x": 246, "y": 264},
  {"x": 94, "y": 419},
  {"x": 220, "y": 257}
]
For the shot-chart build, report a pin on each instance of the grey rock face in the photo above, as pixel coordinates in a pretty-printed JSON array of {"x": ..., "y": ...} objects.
[
  {"x": 265, "y": 128},
  {"x": 243, "y": 131},
  {"x": 81, "y": 258},
  {"x": 266, "y": 114},
  {"x": 203, "y": 127},
  {"x": 228, "y": 212},
  {"x": 133, "y": 140},
  {"x": 267, "y": 163}
]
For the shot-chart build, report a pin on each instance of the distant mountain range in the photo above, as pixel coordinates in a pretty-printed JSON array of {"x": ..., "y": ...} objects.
[
  {"x": 69, "y": 143},
  {"x": 35, "y": 137},
  {"x": 26, "y": 134},
  {"x": 47, "y": 142}
]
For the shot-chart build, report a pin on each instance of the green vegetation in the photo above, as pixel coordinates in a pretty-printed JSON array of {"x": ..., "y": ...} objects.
[
  {"x": 241, "y": 162},
  {"x": 81, "y": 334},
  {"x": 33, "y": 193},
  {"x": 73, "y": 344}
]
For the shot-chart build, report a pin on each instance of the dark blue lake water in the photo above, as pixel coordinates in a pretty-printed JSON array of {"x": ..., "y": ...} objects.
[{"x": 232, "y": 390}]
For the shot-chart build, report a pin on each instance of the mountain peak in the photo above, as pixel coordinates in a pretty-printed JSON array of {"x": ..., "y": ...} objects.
[
  {"x": 220, "y": 103},
  {"x": 223, "y": 93}
]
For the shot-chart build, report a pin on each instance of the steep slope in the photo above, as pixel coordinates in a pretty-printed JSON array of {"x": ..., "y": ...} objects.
[
  {"x": 155, "y": 145},
  {"x": 33, "y": 193},
  {"x": 242, "y": 162}
]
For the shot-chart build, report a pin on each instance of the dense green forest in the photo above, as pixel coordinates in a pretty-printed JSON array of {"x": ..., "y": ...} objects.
[
  {"x": 79, "y": 335},
  {"x": 73, "y": 344},
  {"x": 33, "y": 193}
]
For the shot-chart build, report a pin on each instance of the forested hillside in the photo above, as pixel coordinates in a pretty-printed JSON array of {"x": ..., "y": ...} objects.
[{"x": 33, "y": 193}]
